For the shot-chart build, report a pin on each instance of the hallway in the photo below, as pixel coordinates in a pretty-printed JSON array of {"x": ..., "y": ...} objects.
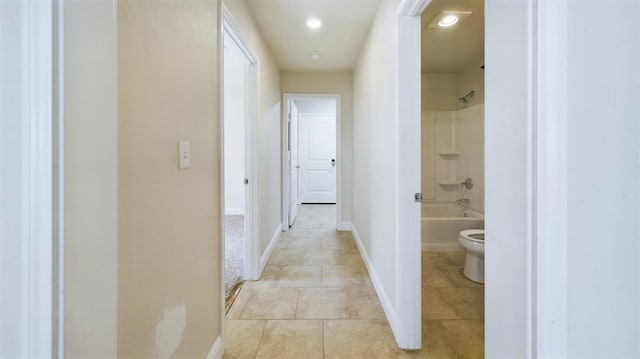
[{"x": 314, "y": 300}]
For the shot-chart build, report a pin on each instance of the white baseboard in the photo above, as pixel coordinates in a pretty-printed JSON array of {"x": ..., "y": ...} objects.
[
  {"x": 217, "y": 349},
  {"x": 344, "y": 226},
  {"x": 377, "y": 284},
  {"x": 272, "y": 244},
  {"x": 234, "y": 211},
  {"x": 442, "y": 247}
]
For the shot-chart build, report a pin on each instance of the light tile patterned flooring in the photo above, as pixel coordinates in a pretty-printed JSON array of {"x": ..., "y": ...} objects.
[{"x": 315, "y": 300}]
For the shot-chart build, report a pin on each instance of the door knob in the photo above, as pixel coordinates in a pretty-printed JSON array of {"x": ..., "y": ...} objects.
[{"x": 333, "y": 162}]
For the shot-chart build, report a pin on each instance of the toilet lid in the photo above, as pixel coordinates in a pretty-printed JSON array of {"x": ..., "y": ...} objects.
[{"x": 476, "y": 235}]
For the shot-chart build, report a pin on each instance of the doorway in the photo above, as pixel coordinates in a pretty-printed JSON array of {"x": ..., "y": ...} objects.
[
  {"x": 239, "y": 182},
  {"x": 311, "y": 152}
]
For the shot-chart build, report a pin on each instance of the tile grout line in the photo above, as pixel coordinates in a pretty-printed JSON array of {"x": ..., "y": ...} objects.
[{"x": 261, "y": 336}]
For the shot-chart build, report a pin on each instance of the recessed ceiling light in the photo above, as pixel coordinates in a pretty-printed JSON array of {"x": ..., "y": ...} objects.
[
  {"x": 448, "y": 20},
  {"x": 315, "y": 55},
  {"x": 314, "y": 22}
]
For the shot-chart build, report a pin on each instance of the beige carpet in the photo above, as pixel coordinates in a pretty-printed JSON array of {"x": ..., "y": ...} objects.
[{"x": 234, "y": 252}]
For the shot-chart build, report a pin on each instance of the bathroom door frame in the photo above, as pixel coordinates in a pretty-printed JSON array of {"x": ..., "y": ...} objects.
[
  {"x": 33, "y": 126},
  {"x": 530, "y": 257},
  {"x": 252, "y": 257}
]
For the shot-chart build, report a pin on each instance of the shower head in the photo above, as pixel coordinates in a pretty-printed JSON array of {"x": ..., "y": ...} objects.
[{"x": 466, "y": 98}]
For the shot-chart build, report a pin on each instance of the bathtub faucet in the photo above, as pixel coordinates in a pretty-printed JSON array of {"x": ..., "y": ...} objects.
[{"x": 463, "y": 202}]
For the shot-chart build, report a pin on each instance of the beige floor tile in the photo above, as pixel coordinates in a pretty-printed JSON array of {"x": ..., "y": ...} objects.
[
  {"x": 363, "y": 338},
  {"x": 433, "y": 277},
  {"x": 287, "y": 257},
  {"x": 435, "y": 341},
  {"x": 456, "y": 257},
  {"x": 269, "y": 278},
  {"x": 295, "y": 339},
  {"x": 333, "y": 257},
  {"x": 326, "y": 257},
  {"x": 300, "y": 276},
  {"x": 432, "y": 258},
  {"x": 343, "y": 276},
  {"x": 456, "y": 277},
  {"x": 242, "y": 338},
  {"x": 299, "y": 243},
  {"x": 436, "y": 307},
  {"x": 467, "y": 303},
  {"x": 338, "y": 243},
  {"x": 364, "y": 304},
  {"x": 235, "y": 312},
  {"x": 455, "y": 339},
  {"x": 271, "y": 303},
  {"x": 322, "y": 303}
]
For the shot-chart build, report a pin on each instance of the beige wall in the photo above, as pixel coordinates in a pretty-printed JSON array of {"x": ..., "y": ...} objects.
[
  {"x": 169, "y": 220},
  {"x": 439, "y": 92},
  {"x": 375, "y": 148},
  {"x": 331, "y": 83},
  {"x": 268, "y": 125},
  {"x": 90, "y": 180},
  {"x": 470, "y": 78}
]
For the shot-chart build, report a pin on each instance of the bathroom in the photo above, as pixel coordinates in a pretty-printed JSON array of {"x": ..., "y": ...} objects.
[{"x": 453, "y": 178}]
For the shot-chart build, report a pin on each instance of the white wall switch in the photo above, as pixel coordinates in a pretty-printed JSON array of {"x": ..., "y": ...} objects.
[{"x": 184, "y": 154}]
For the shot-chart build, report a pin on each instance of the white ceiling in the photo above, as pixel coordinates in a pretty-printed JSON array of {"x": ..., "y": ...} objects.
[
  {"x": 449, "y": 50},
  {"x": 346, "y": 26},
  {"x": 339, "y": 40}
]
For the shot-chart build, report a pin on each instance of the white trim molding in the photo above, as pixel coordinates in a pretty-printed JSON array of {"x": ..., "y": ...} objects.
[
  {"x": 377, "y": 284},
  {"x": 549, "y": 199},
  {"x": 267, "y": 253},
  {"x": 412, "y": 7},
  {"x": 409, "y": 238},
  {"x": 217, "y": 349},
  {"x": 251, "y": 149},
  {"x": 26, "y": 180},
  {"x": 344, "y": 226}
]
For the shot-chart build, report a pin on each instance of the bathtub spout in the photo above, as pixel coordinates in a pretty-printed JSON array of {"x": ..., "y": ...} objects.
[{"x": 463, "y": 202}]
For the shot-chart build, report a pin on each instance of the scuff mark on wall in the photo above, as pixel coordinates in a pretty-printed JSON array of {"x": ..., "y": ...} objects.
[{"x": 170, "y": 331}]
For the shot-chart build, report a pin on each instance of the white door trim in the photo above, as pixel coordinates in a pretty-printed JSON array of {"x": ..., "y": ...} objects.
[
  {"x": 408, "y": 331},
  {"x": 32, "y": 124},
  {"x": 285, "y": 144},
  {"x": 252, "y": 257},
  {"x": 542, "y": 320}
]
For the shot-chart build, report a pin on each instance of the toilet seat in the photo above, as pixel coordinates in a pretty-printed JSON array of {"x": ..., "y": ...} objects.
[{"x": 474, "y": 235}]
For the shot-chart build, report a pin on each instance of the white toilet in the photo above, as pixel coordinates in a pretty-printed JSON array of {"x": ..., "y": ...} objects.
[{"x": 472, "y": 240}]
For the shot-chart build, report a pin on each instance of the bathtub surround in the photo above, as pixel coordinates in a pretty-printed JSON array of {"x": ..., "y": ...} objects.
[
  {"x": 452, "y": 150},
  {"x": 443, "y": 222}
]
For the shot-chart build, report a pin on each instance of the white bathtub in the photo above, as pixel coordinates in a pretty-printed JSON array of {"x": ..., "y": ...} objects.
[{"x": 442, "y": 222}]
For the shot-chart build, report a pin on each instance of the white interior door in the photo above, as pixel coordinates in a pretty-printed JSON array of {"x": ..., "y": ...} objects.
[
  {"x": 294, "y": 164},
  {"x": 317, "y": 158}
]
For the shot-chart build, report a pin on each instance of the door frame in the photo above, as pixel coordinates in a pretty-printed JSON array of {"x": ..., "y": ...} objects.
[
  {"x": 530, "y": 259},
  {"x": 252, "y": 257},
  {"x": 286, "y": 185},
  {"x": 33, "y": 123}
]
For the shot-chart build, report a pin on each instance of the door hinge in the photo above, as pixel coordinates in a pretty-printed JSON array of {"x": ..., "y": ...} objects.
[{"x": 418, "y": 197}]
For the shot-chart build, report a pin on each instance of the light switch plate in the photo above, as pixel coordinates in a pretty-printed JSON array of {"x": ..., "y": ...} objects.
[{"x": 184, "y": 154}]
